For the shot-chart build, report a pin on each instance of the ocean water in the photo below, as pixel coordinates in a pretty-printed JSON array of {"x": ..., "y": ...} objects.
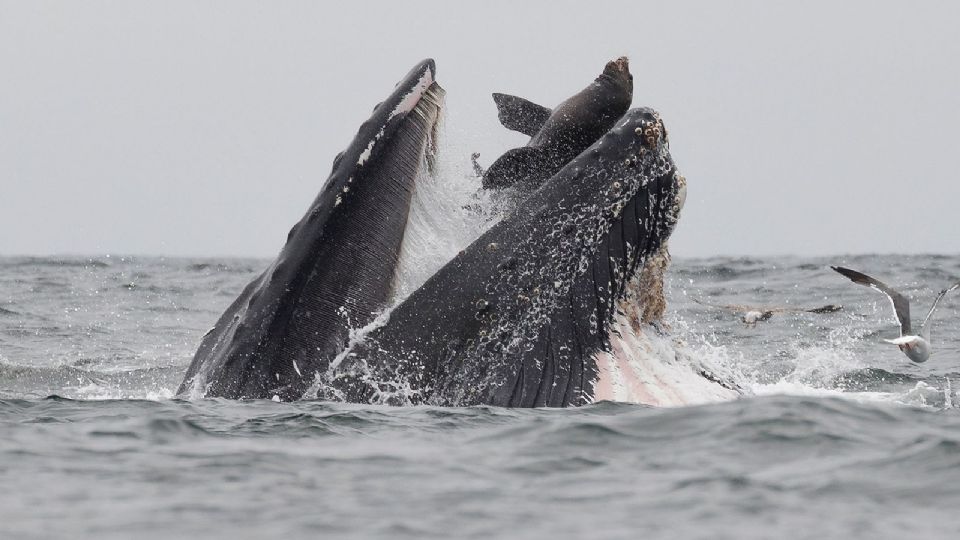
[{"x": 837, "y": 435}]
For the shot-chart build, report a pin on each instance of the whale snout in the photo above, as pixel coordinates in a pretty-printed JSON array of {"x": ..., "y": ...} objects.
[{"x": 642, "y": 125}]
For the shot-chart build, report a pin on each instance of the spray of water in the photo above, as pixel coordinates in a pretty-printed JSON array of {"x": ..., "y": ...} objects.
[
  {"x": 830, "y": 365},
  {"x": 447, "y": 212}
]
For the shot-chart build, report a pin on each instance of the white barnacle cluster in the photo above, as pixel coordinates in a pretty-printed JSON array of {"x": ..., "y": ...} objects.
[{"x": 680, "y": 183}]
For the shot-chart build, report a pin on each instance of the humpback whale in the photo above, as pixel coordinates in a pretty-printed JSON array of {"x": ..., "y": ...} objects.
[
  {"x": 551, "y": 306},
  {"x": 521, "y": 316},
  {"x": 558, "y": 135},
  {"x": 336, "y": 270}
]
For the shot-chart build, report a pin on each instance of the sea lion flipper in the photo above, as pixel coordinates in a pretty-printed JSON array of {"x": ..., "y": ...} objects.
[
  {"x": 520, "y": 164},
  {"x": 518, "y": 114}
]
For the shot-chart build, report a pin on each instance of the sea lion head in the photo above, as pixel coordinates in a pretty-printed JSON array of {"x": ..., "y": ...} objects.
[{"x": 618, "y": 72}]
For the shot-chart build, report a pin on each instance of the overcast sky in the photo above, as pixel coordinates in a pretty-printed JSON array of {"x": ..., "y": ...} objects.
[{"x": 206, "y": 128}]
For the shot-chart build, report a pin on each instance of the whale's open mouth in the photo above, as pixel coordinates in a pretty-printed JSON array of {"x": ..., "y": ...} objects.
[
  {"x": 518, "y": 317},
  {"x": 524, "y": 316},
  {"x": 337, "y": 268}
]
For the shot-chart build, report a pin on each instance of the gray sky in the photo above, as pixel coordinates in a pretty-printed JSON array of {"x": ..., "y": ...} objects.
[{"x": 206, "y": 128}]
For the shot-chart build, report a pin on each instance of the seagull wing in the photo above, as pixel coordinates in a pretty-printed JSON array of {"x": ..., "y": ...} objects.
[
  {"x": 901, "y": 305},
  {"x": 936, "y": 302}
]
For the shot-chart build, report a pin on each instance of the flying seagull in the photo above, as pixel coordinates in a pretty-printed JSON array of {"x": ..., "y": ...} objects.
[
  {"x": 752, "y": 315},
  {"x": 915, "y": 346}
]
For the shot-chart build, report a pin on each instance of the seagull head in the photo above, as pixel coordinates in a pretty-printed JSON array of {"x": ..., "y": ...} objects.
[{"x": 917, "y": 349}]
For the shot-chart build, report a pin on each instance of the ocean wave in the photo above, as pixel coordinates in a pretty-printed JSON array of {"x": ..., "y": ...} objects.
[
  {"x": 41, "y": 262},
  {"x": 78, "y": 382}
]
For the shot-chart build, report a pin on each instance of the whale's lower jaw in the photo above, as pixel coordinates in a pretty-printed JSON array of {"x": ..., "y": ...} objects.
[
  {"x": 644, "y": 364},
  {"x": 337, "y": 268}
]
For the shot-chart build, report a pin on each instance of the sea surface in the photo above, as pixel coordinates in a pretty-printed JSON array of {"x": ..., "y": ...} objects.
[{"x": 837, "y": 435}]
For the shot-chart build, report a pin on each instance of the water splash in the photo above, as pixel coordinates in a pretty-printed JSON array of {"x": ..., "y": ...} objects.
[{"x": 448, "y": 211}]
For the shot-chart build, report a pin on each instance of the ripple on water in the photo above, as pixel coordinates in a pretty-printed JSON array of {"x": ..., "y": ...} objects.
[{"x": 759, "y": 467}]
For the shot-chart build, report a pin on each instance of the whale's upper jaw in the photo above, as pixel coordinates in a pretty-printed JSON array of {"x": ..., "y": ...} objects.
[{"x": 613, "y": 207}]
